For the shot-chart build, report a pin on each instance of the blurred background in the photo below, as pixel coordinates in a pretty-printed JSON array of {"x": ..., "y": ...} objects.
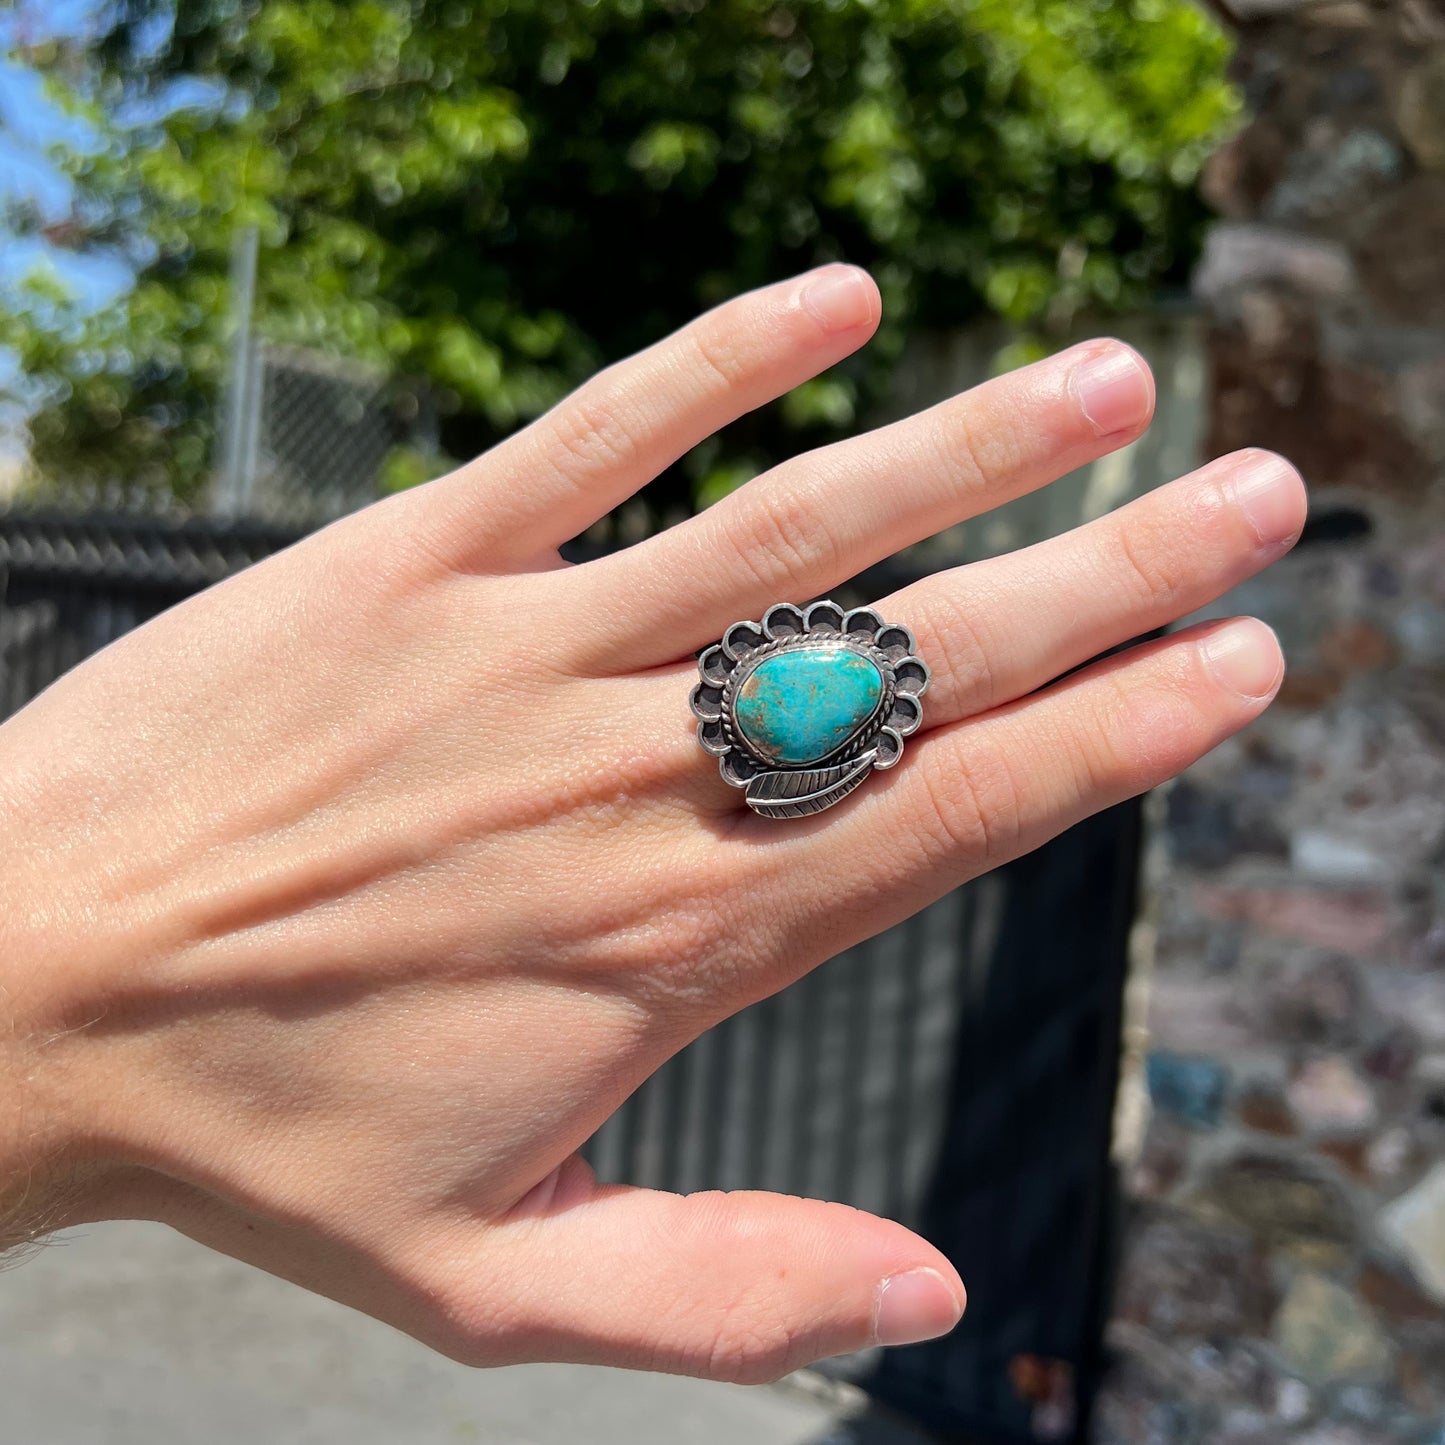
[{"x": 1171, "y": 1092}]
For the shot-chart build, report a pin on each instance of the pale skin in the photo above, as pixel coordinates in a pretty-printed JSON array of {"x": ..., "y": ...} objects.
[{"x": 341, "y": 904}]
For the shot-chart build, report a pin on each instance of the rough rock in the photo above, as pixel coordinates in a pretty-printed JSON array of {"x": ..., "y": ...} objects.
[
  {"x": 1415, "y": 1223},
  {"x": 1351, "y": 1154},
  {"x": 1413, "y": 1000},
  {"x": 1191, "y": 1089},
  {"x": 1420, "y": 112},
  {"x": 1338, "y": 420},
  {"x": 1325, "y": 855},
  {"x": 1393, "y": 1055},
  {"x": 1300, "y": 943},
  {"x": 1388, "y": 1155},
  {"x": 1336, "y": 177},
  {"x": 1328, "y": 1093},
  {"x": 1197, "y": 1015},
  {"x": 1328, "y": 1334},
  {"x": 1420, "y": 626},
  {"x": 1281, "y": 1200},
  {"x": 1353, "y": 645},
  {"x": 1162, "y": 1158},
  {"x": 1393, "y": 1296},
  {"x": 1353, "y": 922},
  {"x": 1186, "y": 1280},
  {"x": 1136, "y": 1408},
  {"x": 1239, "y": 255},
  {"x": 1379, "y": 784},
  {"x": 1344, "y": 1434},
  {"x": 1422, "y": 1370},
  {"x": 1401, "y": 259},
  {"x": 1264, "y": 1108},
  {"x": 1202, "y": 829},
  {"x": 1262, "y": 9},
  {"x": 1316, "y": 998}
]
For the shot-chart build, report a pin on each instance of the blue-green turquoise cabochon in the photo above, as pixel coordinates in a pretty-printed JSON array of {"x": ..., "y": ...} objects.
[{"x": 802, "y": 705}]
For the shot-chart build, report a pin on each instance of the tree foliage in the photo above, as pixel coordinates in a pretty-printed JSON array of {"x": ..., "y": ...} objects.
[{"x": 495, "y": 196}]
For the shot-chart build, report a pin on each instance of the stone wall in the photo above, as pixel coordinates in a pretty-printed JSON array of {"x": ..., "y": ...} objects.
[{"x": 1283, "y": 1275}]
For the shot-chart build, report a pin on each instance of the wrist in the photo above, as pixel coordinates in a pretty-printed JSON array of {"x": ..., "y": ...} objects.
[
  {"x": 32, "y": 1169},
  {"x": 48, "y": 1171}
]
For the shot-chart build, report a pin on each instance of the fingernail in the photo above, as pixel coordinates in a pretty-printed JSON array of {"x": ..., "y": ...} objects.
[
  {"x": 1266, "y": 490},
  {"x": 839, "y": 298},
  {"x": 1113, "y": 390},
  {"x": 915, "y": 1306},
  {"x": 1244, "y": 656}
]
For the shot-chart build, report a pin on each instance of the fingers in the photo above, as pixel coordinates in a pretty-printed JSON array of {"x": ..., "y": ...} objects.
[
  {"x": 995, "y": 630},
  {"x": 742, "y": 1287},
  {"x": 631, "y": 421},
  {"x": 977, "y": 793},
  {"x": 819, "y": 519}
]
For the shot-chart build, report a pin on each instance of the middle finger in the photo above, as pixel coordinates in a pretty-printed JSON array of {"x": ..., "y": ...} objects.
[{"x": 814, "y": 521}]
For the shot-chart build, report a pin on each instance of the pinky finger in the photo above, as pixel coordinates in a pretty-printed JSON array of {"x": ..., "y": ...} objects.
[{"x": 982, "y": 791}]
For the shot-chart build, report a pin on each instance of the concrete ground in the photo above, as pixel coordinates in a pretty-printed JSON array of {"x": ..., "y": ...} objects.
[{"x": 128, "y": 1334}]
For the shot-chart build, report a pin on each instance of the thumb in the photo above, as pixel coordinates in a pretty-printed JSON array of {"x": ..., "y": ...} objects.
[{"x": 742, "y": 1287}]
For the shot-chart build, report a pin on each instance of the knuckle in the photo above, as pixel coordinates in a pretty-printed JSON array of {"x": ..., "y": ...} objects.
[
  {"x": 981, "y": 458},
  {"x": 752, "y": 1352},
  {"x": 591, "y": 433},
  {"x": 1145, "y": 564},
  {"x": 783, "y": 538},
  {"x": 1137, "y": 730},
  {"x": 1094, "y": 766},
  {"x": 972, "y": 807},
  {"x": 716, "y": 356},
  {"x": 960, "y": 648},
  {"x": 692, "y": 963},
  {"x": 1129, "y": 738},
  {"x": 694, "y": 938},
  {"x": 746, "y": 1337}
]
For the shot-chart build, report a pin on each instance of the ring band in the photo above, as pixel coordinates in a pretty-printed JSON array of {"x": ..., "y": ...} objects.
[{"x": 800, "y": 707}]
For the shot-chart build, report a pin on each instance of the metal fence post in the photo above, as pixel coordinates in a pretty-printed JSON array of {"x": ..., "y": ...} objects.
[{"x": 240, "y": 431}]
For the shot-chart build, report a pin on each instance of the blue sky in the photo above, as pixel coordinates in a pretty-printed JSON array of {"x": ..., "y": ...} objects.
[{"x": 31, "y": 124}]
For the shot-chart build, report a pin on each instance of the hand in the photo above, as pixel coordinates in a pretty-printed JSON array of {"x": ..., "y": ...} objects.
[{"x": 340, "y": 905}]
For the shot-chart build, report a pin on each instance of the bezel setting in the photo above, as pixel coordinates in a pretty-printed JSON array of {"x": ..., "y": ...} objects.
[{"x": 779, "y": 790}]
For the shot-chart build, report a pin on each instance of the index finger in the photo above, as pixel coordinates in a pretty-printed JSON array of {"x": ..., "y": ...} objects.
[{"x": 630, "y": 422}]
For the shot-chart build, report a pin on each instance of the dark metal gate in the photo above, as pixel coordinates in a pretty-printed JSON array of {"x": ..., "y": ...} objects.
[{"x": 957, "y": 1073}]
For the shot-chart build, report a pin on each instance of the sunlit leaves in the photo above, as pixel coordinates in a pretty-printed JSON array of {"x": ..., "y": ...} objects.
[
  {"x": 498, "y": 195},
  {"x": 671, "y": 151}
]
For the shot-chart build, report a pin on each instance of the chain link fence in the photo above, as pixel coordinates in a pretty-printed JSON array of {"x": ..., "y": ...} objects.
[{"x": 304, "y": 436}]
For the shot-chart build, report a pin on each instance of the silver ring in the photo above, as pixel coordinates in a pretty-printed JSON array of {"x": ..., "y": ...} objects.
[{"x": 800, "y": 707}]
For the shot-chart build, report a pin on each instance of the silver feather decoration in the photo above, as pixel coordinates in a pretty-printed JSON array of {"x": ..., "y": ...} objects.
[{"x": 796, "y": 794}]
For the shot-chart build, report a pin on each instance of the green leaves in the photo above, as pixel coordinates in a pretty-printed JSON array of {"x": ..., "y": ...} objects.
[{"x": 497, "y": 197}]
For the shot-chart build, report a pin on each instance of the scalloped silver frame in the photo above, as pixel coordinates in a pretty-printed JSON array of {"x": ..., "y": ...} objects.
[{"x": 795, "y": 792}]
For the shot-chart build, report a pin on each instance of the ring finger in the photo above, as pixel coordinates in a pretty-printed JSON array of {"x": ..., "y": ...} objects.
[{"x": 993, "y": 631}]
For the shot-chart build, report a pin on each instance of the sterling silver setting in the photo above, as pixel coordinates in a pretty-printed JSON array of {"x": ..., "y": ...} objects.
[{"x": 783, "y": 790}]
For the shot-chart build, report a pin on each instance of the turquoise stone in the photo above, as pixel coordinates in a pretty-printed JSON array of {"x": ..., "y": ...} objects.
[{"x": 800, "y": 705}]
